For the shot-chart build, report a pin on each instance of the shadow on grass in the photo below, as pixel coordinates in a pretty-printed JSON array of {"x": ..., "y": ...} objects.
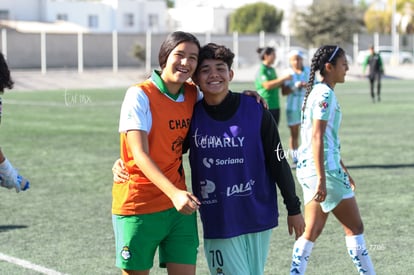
[
  {"x": 4, "y": 228},
  {"x": 381, "y": 166}
]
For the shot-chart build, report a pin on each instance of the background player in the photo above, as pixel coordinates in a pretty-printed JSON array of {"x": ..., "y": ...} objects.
[
  {"x": 9, "y": 177},
  {"x": 296, "y": 88},
  {"x": 375, "y": 72},
  {"x": 267, "y": 83}
]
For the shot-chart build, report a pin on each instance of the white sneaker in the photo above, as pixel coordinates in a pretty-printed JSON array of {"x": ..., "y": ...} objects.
[
  {"x": 10, "y": 178},
  {"x": 20, "y": 183}
]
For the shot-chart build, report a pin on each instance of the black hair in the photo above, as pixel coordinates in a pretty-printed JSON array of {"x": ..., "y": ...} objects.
[
  {"x": 265, "y": 51},
  {"x": 5, "y": 79},
  {"x": 325, "y": 54},
  {"x": 172, "y": 40},
  {"x": 217, "y": 52}
]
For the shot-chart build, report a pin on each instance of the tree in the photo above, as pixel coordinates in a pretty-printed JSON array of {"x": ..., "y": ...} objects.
[
  {"x": 378, "y": 17},
  {"x": 253, "y": 18},
  {"x": 138, "y": 51},
  {"x": 170, "y": 3},
  {"x": 406, "y": 24},
  {"x": 362, "y": 4},
  {"x": 327, "y": 22},
  {"x": 377, "y": 20}
]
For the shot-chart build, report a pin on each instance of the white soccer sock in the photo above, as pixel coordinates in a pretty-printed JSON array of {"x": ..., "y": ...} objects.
[
  {"x": 8, "y": 175},
  {"x": 359, "y": 254},
  {"x": 300, "y": 256}
]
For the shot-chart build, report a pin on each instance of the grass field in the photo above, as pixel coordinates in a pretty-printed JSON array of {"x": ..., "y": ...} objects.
[{"x": 66, "y": 141}]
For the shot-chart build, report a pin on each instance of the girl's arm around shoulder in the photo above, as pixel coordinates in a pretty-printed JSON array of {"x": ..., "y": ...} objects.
[{"x": 258, "y": 98}]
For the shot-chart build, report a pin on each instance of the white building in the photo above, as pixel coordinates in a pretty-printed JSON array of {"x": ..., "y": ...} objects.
[
  {"x": 128, "y": 16},
  {"x": 199, "y": 19},
  {"x": 213, "y": 16},
  {"x": 132, "y": 16}
]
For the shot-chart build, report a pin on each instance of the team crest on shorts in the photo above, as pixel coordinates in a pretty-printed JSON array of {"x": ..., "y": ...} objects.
[
  {"x": 125, "y": 254},
  {"x": 220, "y": 271}
]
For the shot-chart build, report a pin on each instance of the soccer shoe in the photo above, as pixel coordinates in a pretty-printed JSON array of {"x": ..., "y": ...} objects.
[{"x": 20, "y": 183}]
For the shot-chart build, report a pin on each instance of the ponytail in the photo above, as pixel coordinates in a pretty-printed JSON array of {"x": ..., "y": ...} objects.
[
  {"x": 5, "y": 79},
  {"x": 325, "y": 54},
  {"x": 264, "y": 51}
]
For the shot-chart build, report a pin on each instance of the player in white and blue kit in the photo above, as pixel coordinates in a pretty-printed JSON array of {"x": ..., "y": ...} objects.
[
  {"x": 299, "y": 76},
  {"x": 326, "y": 184}
]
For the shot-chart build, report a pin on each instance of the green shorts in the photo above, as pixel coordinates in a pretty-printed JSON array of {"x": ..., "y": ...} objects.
[
  {"x": 138, "y": 237},
  {"x": 244, "y": 254},
  {"x": 337, "y": 188}
]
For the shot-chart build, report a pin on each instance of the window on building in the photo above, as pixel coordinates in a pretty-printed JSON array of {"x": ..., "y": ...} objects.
[
  {"x": 128, "y": 19},
  {"x": 62, "y": 17},
  {"x": 4, "y": 15},
  {"x": 153, "y": 21},
  {"x": 93, "y": 21}
]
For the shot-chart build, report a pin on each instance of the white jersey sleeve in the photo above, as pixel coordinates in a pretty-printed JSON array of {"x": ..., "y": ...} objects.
[
  {"x": 323, "y": 102},
  {"x": 135, "y": 111}
]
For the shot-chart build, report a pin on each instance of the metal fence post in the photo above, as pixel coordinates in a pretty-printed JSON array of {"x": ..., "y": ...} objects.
[
  {"x": 355, "y": 47},
  {"x": 80, "y": 52},
  {"x": 4, "y": 42},
  {"x": 148, "y": 52},
  {"x": 261, "y": 39},
  {"x": 236, "y": 49},
  {"x": 115, "y": 51}
]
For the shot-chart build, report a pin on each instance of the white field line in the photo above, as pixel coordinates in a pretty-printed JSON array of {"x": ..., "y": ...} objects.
[{"x": 28, "y": 265}]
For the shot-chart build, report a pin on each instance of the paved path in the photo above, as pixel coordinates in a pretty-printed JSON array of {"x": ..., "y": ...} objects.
[
  {"x": 105, "y": 78},
  {"x": 71, "y": 79}
]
